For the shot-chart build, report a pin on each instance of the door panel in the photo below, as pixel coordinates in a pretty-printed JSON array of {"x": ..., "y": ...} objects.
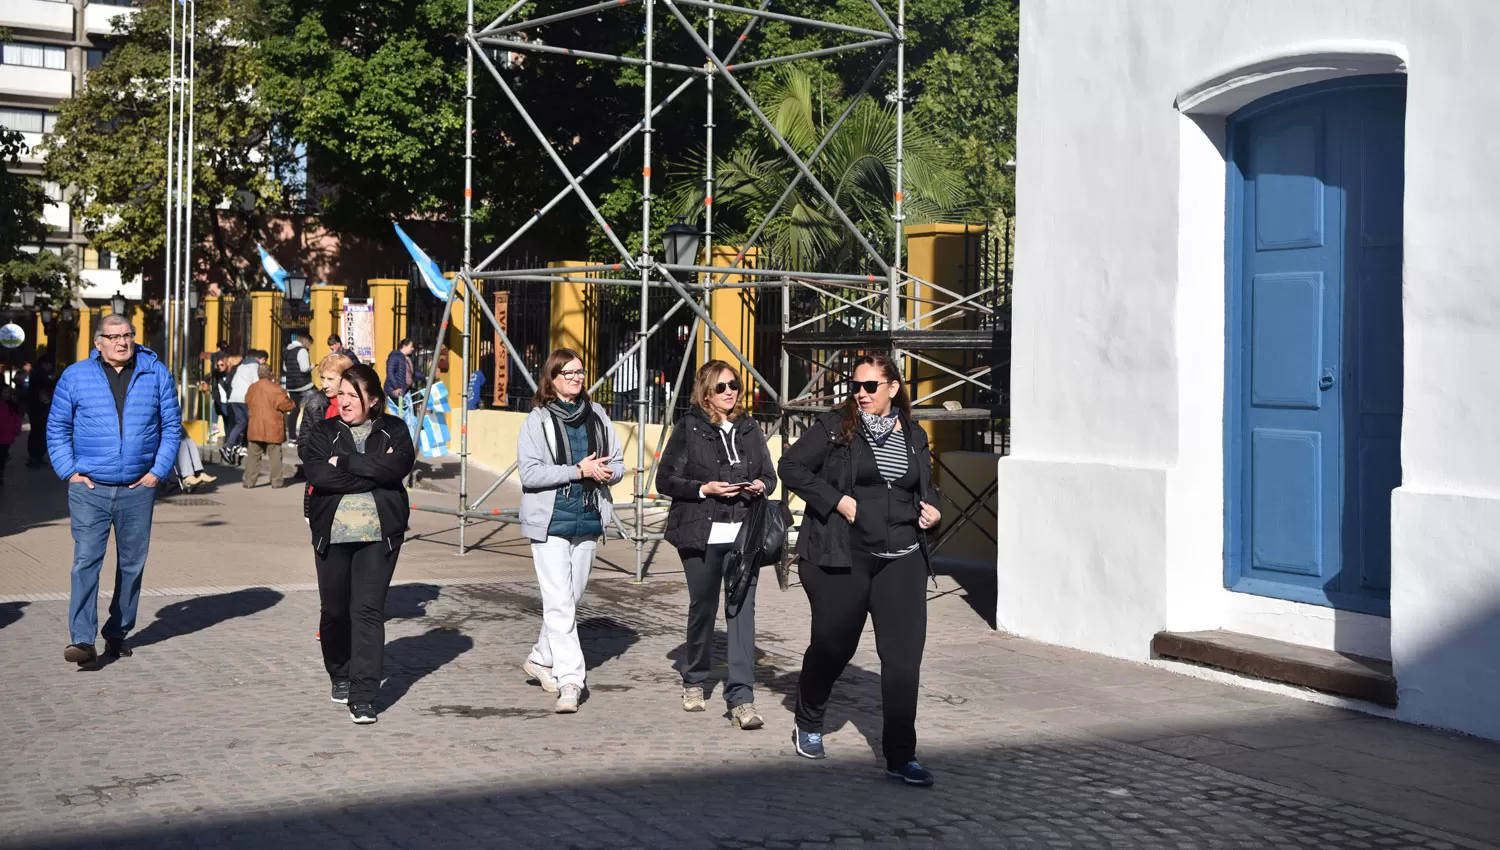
[{"x": 1315, "y": 353}]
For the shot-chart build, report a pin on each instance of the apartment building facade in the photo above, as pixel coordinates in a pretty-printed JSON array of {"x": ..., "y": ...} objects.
[{"x": 48, "y": 50}]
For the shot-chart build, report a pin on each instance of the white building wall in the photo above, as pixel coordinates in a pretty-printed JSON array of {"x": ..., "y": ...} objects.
[{"x": 1112, "y": 503}]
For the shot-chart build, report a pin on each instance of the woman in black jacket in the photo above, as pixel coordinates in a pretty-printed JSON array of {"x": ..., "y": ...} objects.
[
  {"x": 356, "y": 464},
  {"x": 865, "y": 474},
  {"x": 715, "y": 463}
]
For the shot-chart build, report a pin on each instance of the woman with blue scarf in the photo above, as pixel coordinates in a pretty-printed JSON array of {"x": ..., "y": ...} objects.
[
  {"x": 865, "y": 474},
  {"x": 568, "y": 455}
]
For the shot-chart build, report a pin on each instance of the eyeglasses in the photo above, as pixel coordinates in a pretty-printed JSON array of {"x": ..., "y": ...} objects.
[
  {"x": 118, "y": 337},
  {"x": 869, "y": 386},
  {"x": 721, "y": 386},
  {"x": 572, "y": 374}
]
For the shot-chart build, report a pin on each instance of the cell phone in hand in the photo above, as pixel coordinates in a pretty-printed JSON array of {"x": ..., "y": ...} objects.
[{"x": 740, "y": 483}]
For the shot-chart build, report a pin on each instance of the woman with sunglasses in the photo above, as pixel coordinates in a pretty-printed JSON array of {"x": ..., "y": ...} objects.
[
  {"x": 865, "y": 474},
  {"x": 715, "y": 463},
  {"x": 568, "y": 455}
]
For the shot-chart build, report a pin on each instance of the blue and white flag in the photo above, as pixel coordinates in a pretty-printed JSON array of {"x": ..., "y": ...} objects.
[
  {"x": 273, "y": 269},
  {"x": 434, "y": 437},
  {"x": 437, "y": 398},
  {"x": 431, "y": 274},
  {"x": 404, "y": 408}
]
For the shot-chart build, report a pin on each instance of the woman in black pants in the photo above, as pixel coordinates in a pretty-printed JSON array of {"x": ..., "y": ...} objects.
[
  {"x": 715, "y": 463},
  {"x": 865, "y": 474},
  {"x": 356, "y": 463}
]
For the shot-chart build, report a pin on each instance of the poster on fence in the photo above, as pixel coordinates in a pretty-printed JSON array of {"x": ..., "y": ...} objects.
[
  {"x": 359, "y": 329},
  {"x": 502, "y": 355}
]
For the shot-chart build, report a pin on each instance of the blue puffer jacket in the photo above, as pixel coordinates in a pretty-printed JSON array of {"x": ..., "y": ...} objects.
[
  {"x": 570, "y": 517},
  {"x": 86, "y": 435}
]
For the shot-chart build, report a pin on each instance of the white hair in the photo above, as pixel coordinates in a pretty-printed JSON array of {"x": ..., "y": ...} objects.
[{"x": 112, "y": 319}]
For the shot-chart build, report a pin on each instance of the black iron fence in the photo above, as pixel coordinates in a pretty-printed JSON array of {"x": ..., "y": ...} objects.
[
  {"x": 524, "y": 309},
  {"x": 612, "y": 322},
  {"x": 988, "y": 263}
]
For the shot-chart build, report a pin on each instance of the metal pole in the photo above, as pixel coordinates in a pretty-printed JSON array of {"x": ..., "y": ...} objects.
[
  {"x": 187, "y": 216},
  {"x": 463, "y": 414},
  {"x": 169, "y": 219},
  {"x": 786, "y": 357},
  {"x": 535, "y": 47},
  {"x": 811, "y": 54},
  {"x": 777, "y": 16},
  {"x": 548, "y": 19},
  {"x": 897, "y": 215},
  {"x": 708, "y": 169},
  {"x": 640, "y": 382}
]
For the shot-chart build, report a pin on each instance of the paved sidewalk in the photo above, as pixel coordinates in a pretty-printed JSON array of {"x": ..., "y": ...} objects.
[{"x": 218, "y": 732}]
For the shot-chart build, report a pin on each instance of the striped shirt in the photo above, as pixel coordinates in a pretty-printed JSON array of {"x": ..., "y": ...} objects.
[{"x": 892, "y": 460}]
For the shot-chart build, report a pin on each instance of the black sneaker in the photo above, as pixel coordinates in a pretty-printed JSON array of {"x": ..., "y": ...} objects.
[
  {"x": 362, "y": 713},
  {"x": 912, "y": 773},
  {"x": 809, "y": 744},
  {"x": 340, "y": 693},
  {"x": 80, "y": 653},
  {"x": 117, "y": 648}
]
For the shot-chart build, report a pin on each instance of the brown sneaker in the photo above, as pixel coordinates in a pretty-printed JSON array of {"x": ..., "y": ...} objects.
[
  {"x": 746, "y": 717},
  {"x": 692, "y": 699},
  {"x": 80, "y": 653}
]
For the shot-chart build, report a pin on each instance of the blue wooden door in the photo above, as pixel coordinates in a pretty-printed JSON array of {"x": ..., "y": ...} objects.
[{"x": 1313, "y": 401}]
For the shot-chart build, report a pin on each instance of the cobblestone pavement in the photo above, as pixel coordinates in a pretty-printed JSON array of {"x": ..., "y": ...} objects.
[{"x": 218, "y": 732}]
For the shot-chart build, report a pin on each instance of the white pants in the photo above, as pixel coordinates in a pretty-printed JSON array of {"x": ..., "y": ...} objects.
[{"x": 562, "y": 573}]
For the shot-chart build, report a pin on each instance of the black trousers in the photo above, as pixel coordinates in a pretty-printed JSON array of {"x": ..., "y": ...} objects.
[
  {"x": 4, "y": 458},
  {"x": 36, "y": 442},
  {"x": 705, "y": 579},
  {"x": 353, "y": 579},
  {"x": 891, "y": 591}
]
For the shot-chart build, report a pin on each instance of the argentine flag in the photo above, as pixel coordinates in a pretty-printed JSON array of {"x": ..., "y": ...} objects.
[
  {"x": 434, "y": 437},
  {"x": 273, "y": 269},
  {"x": 431, "y": 274},
  {"x": 437, "y": 398}
]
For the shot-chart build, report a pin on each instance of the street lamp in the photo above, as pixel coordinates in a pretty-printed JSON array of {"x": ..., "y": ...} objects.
[
  {"x": 192, "y": 298},
  {"x": 67, "y": 314},
  {"x": 46, "y": 315},
  {"x": 296, "y": 285},
  {"x": 680, "y": 243},
  {"x": 28, "y": 296},
  {"x": 117, "y": 304}
]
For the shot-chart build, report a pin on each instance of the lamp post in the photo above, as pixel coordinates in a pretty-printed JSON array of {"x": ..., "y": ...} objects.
[
  {"x": 28, "y": 297},
  {"x": 296, "y": 290},
  {"x": 680, "y": 243},
  {"x": 118, "y": 304}
]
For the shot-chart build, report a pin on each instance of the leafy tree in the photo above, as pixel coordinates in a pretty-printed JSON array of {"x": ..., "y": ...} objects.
[
  {"x": 21, "y": 204},
  {"x": 111, "y": 142}
]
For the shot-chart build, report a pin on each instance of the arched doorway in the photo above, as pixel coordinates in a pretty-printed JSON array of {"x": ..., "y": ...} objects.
[{"x": 1314, "y": 357}]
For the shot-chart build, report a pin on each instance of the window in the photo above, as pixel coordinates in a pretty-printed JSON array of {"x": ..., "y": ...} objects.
[
  {"x": 28, "y": 120},
  {"x": 113, "y": 2},
  {"x": 92, "y": 56},
  {"x": 98, "y": 259},
  {"x": 34, "y": 55}
]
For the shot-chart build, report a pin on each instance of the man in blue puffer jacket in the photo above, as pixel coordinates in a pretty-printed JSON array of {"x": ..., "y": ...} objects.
[{"x": 112, "y": 435}]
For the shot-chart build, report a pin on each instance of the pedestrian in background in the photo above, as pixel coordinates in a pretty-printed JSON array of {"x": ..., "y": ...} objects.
[
  {"x": 865, "y": 474},
  {"x": 715, "y": 463},
  {"x": 401, "y": 375},
  {"x": 112, "y": 435},
  {"x": 38, "y": 403},
  {"x": 244, "y": 376},
  {"x": 296, "y": 375},
  {"x": 568, "y": 455},
  {"x": 222, "y": 379},
  {"x": 11, "y": 414},
  {"x": 357, "y": 463},
  {"x": 266, "y": 403},
  {"x": 336, "y": 346}
]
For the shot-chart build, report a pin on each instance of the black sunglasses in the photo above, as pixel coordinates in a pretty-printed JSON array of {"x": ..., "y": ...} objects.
[
  {"x": 721, "y": 386},
  {"x": 868, "y": 386}
]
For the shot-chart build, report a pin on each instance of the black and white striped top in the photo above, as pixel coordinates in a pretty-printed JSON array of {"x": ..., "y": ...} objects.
[{"x": 890, "y": 456}]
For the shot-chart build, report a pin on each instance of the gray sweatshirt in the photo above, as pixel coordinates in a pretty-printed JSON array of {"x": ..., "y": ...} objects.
[{"x": 541, "y": 477}]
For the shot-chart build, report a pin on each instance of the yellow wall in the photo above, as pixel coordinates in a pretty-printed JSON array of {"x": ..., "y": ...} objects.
[
  {"x": 733, "y": 310},
  {"x": 138, "y": 321},
  {"x": 213, "y": 317},
  {"x": 265, "y": 325},
  {"x": 85, "y": 342},
  {"x": 570, "y": 313},
  {"x": 390, "y": 325},
  {"x": 327, "y": 313},
  {"x": 935, "y": 253}
]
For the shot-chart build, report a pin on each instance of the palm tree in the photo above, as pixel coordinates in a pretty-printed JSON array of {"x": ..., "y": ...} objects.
[{"x": 858, "y": 167}]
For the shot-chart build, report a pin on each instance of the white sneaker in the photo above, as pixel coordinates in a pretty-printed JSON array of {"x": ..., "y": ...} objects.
[
  {"x": 543, "y": 675},
  {"x": 567, "y": 699}
]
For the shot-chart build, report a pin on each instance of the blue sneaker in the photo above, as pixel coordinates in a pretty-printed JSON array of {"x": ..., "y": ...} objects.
[
  {"x": 912, "y": 773},
  {"x": 809, "y": 744}
]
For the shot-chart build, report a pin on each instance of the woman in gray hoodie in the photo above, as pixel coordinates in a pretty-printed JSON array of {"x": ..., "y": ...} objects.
[{"x": 568, "y": 455}]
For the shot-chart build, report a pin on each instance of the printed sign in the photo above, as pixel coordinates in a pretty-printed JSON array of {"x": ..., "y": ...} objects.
[{"x": 359, "y": 329}]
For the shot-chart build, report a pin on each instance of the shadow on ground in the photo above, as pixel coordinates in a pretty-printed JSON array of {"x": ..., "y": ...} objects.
[
  {"x": 410, "y": 658},
  {"x": 203, "y": 612},
  {"x": 10, "y": 612}
]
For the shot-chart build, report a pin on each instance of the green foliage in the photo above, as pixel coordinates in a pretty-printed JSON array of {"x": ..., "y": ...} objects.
[
  {"x": 21, "y": 200},
  {"x": 111, "y": 142},
  {"x": 50, "y": 274}
]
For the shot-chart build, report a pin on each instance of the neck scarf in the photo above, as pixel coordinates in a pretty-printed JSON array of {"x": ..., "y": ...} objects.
[
  {"x": 577, "y": 414},
  {"x": 878, "y": 428}
]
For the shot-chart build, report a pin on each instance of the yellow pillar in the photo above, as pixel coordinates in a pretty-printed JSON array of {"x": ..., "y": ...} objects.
[
  {"x": 570, "y": 305},
  {"x": 39, "y": 333},
  {"x": 213, "y": 321},
  {"x": 733, "y": 310},
  {"x": 935, "y": 253},
  {"x": 327, "y": 313},
  {"x": 138, "y": 321},
  {"x": 85, "y": 343},
  {"x": 265, "y": 325},
  {"x": 388, "y": 295}
]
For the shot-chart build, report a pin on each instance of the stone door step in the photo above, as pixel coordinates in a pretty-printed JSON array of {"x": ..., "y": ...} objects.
[{"x": 1319, "y": 669}]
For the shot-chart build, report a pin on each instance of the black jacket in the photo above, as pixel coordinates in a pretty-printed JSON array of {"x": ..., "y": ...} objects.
[
  {"x": 821, "y": 471},
  {"x": 696, "y": 455},
  {"x": 375, "y": 471}
]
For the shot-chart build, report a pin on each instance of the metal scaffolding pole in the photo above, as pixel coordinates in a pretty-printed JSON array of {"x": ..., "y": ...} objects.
[
  {"x": 186, "y": 269},
  {"x": 641, "y": 387}
]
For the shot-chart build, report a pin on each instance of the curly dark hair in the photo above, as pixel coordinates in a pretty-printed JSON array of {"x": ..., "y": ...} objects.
[{"x": 849, "y": 424}]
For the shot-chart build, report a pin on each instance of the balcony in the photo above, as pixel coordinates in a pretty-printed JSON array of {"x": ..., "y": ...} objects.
[
  {"x": 23, "y": 81},
  {"x": 32, "y": 141},
  {"x": 100, "y": 18},
  {"x": 99, "y": 284},
  {"x": 58, "y": 215},
  {"x": 37, "y": 16}
]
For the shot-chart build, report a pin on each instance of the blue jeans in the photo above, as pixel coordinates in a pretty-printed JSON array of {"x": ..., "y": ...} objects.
[
  {"x": 241, "y": 414},
  {"x": 93, "y": 512}
]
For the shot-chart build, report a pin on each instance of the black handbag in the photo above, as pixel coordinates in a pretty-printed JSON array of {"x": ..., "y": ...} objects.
[{"x": 761, "y": 541}]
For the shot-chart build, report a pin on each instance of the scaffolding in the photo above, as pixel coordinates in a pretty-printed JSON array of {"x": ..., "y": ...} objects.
[{"x": 875, "y": 300}]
